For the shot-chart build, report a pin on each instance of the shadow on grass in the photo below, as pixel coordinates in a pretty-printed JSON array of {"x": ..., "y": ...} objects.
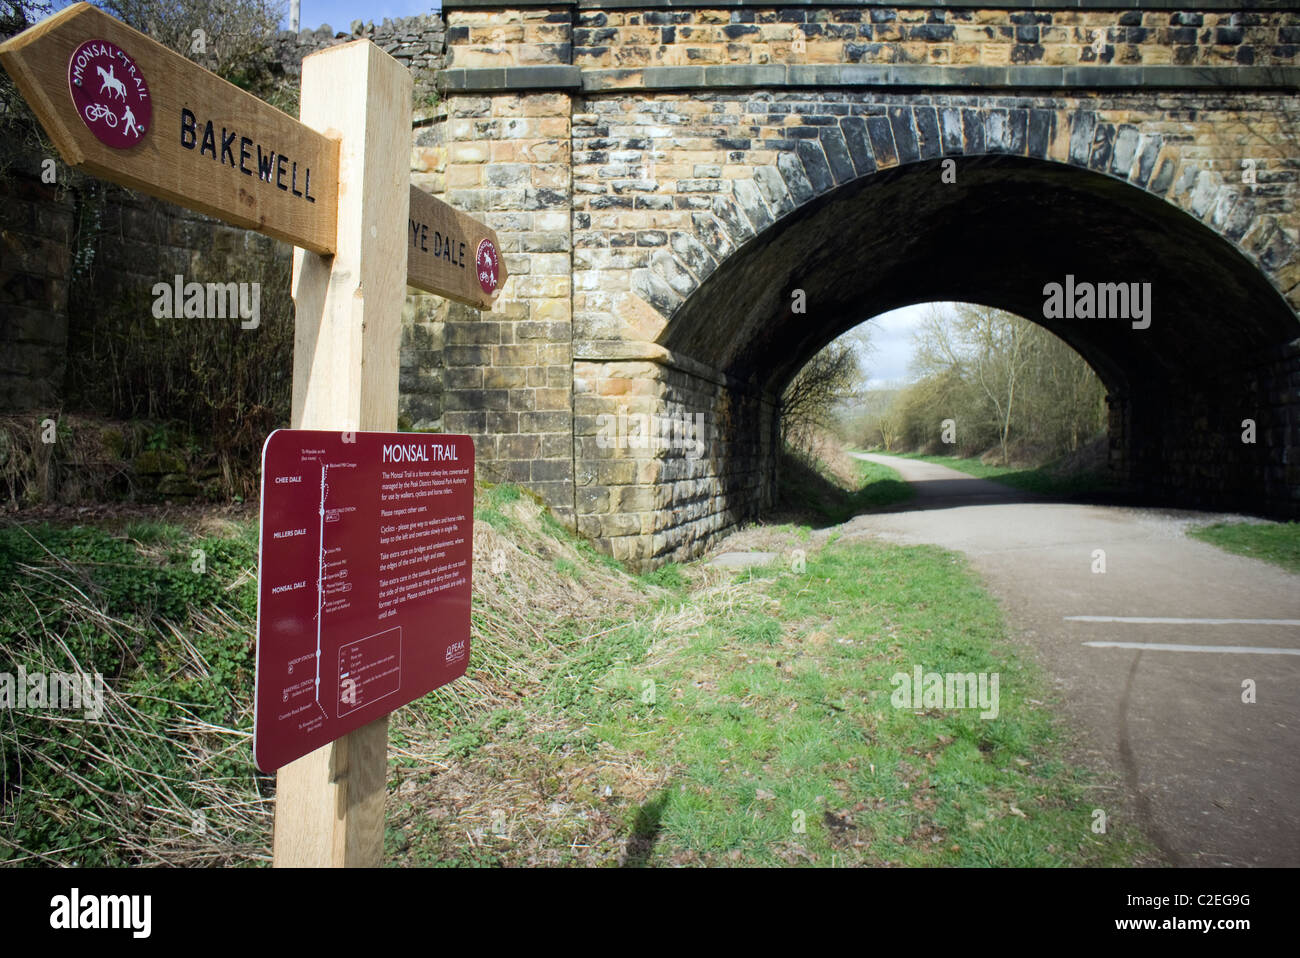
[
  {"x": 1084, "y": 485},
  {"x": 645, "y": 831},
  {"x": 820, "y": 502}
]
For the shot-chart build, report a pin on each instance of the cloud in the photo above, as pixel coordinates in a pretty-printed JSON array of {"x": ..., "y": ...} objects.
[{"x": 891, "y": 338}]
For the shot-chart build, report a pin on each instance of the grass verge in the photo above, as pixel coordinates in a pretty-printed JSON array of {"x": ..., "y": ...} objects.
[
  {"x": 163, "y": 773},
  {"x": 824, "y": 497},
  {"x": 689, "y": 716},
  {"x": 749, "y": 720},
  {"x": 1275, "y": 542}
]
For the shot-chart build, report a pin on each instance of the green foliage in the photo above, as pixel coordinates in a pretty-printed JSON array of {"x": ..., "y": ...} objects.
[
  {"x": 464, "y": 742},
  {"x": 1275, "y": 542},
  {"x": 1043, "y": 479},
  {"x": 668, "y": 576},
  {"x": 584, "y": 681},
  {"x": 759, "y": 629},
  {"x": 489, "y": 507},
  {"x": 1003, "y": 380},
  {"x": 776, "y": 711},
  {"x": 82, "y": 600}
]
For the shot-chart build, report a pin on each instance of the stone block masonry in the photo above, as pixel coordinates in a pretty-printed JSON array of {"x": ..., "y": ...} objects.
[
  {"x": 1063, "y": 34},
  {"x": 664, "y": 177},
  {"x": 718, "y": 158},
  {"x": 37, "y": 228},
  {"x": 509, "y": 373}
]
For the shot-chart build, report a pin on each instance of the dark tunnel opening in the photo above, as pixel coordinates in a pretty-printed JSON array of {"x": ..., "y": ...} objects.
[
  {"x": 1007, "y": 227},
  {"x": 1213, "y": 351}
]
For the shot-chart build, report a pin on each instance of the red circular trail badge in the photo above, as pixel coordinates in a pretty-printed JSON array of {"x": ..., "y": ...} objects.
[
  {"x": 110, "y": 93},
  {"x": 486, "y": 262}
]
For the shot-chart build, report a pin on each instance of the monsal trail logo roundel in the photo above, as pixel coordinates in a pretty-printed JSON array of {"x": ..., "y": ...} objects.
[
  {"x": 110, "y": 93},
  {"x": 487, "y": 262}
]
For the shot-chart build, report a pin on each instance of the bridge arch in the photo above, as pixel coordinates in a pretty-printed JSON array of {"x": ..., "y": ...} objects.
[
  {"x": 663, "y": 176},
  {"x": 1000, "y": 221},
  {"x": 861, "y": 220}
]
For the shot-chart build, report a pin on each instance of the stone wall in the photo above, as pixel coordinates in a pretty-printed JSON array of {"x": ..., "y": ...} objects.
[
  {"x": 418, "y": 43},
  {"x": 1206, "y": 460},
  {"x": 509, "y": 372},
  {"x": 918, "y": 34},
  {"x": 661, "y": 180},
  {"x": 720, "y": 157},
  {"x": 899, "y": 34},
  {"x": 498, "y": 37},
  {"x": 37, "y": 229},
  {"x": 670, "y": 456}
]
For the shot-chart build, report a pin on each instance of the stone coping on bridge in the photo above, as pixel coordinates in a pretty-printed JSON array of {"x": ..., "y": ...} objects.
[
  {"x": 777, "y": 75},
  {"x": 1208, "y": 5},
  {"x": 620, "y": 351}
]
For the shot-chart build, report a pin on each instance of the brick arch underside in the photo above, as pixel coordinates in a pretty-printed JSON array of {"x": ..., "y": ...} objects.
[
  {"x": 1221, "y": 346},
  {"x": 1006, "y": 228}
]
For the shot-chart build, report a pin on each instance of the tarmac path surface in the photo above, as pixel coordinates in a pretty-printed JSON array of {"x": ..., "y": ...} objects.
[{"x": 1150, "y": 656}]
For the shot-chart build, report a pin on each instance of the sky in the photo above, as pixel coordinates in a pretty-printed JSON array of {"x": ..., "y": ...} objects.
[
  {"x": 891, "y": 339},
  {"x": 339, "y": 14}
]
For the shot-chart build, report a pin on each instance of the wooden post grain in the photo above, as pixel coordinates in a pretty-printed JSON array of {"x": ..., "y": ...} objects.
[{"x": 330, "y": 804}]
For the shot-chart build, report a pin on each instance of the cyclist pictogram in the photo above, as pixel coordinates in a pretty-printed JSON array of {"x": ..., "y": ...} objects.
[{"x": 110, "y": 93}]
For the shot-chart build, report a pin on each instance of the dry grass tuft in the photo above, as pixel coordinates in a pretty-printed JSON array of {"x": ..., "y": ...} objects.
[
  {"x": 546, "y": 793},
  {"x": 159, "y": 780}
]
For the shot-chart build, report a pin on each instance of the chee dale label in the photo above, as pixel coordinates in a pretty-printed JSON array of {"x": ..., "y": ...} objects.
[{"x": 110, "y": 93}]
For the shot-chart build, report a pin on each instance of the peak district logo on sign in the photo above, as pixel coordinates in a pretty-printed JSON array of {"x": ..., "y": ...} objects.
[
  {"x": 486, "y": 262},
  {"x": 110, "y": 93}
]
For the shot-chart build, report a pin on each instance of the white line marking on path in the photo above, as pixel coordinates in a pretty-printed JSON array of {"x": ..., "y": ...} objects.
[
  {"x": 1174, "y": 647},
  {"x": 1142, "y": 620}
]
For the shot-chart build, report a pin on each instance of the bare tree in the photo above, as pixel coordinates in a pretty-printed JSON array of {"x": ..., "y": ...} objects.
[
  {"x": 809, "y": 402},
  {"x": 229, "y": 37},
  {"x": 998, "y": 358},
  {"x": 23, "y": 136}
]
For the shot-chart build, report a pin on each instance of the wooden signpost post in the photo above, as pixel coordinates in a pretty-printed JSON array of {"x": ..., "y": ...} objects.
[{"x": 337, "y": 186}]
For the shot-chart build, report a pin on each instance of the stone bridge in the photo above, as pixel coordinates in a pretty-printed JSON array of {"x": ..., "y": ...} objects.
[{"x": 694, "y": 198}]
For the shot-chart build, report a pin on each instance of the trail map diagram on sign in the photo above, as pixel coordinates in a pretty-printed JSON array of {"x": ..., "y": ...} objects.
[{"x": 364, "y": 583}]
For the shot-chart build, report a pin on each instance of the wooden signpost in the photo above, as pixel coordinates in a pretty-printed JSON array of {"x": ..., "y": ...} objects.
[
  {"x": 337, "y": 186},
  {"x": 190, "y": 137},
  {"x": 452, "y": 254},
  {"x": 125, "y": 108}
]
